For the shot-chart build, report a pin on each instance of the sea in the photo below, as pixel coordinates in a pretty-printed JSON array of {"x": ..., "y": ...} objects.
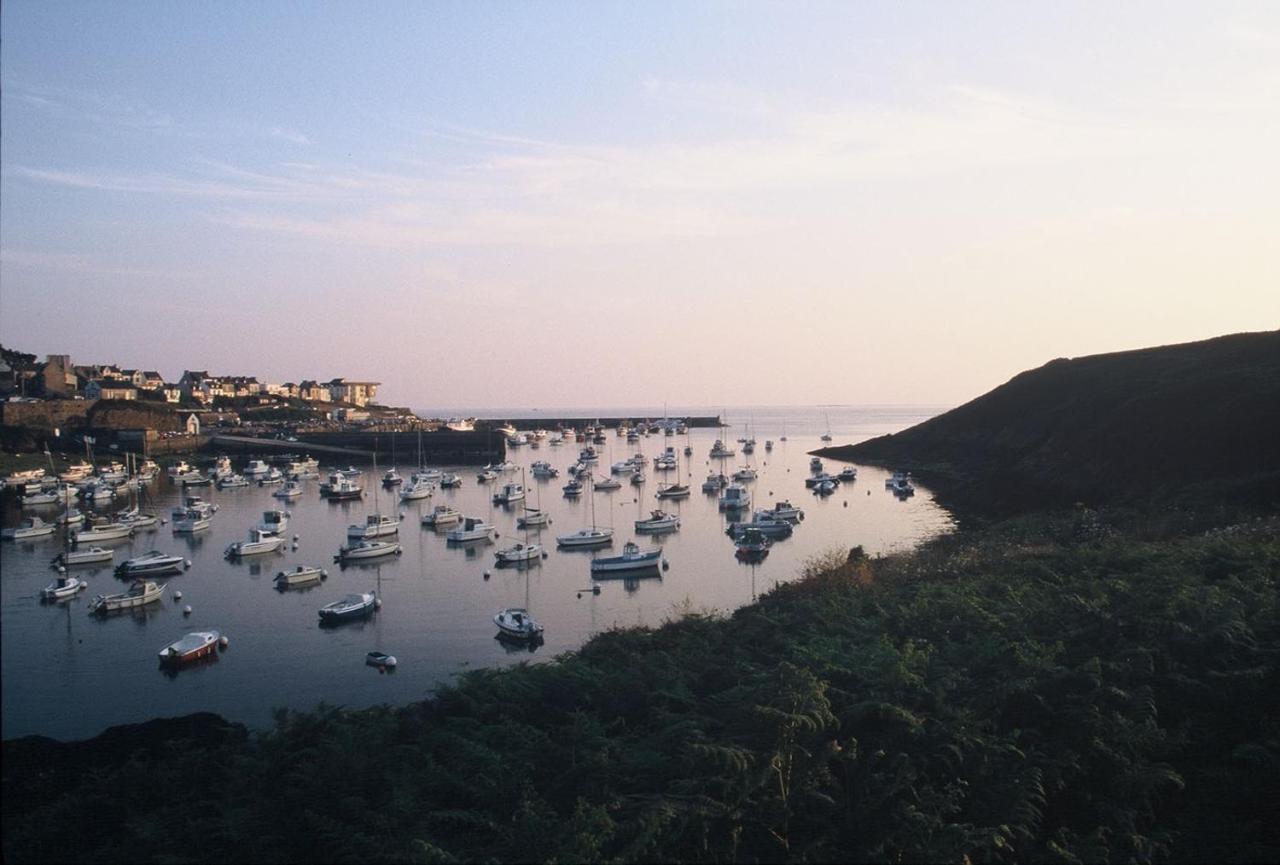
[{"x": 69, "y": 675}]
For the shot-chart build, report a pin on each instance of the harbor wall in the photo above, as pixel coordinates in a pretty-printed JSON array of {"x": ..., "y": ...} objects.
[
  {"x": 448, "y": 447},
  {"x": 551, "y": 423}
]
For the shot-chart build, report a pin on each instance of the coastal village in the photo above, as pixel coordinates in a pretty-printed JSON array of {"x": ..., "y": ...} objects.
[{"x": 58, "y": 401}]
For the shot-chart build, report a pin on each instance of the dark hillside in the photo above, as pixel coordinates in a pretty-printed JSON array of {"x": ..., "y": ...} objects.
[{"x": 1195, "y": 418}]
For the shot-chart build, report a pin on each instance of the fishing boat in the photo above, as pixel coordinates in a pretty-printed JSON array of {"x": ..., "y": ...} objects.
[
  {"x": 353, "y": 606},
  {"x": 256, "y": 467},
  {"x": 152, "y": 564},
  {"x": 442, "y": 515},
  {"x": 232, "y": 481},
  {"x": 302, "y": 575},
  {"x": 609, "y": 483},
  {"x": 192, "y": 647},
  {"x": 141, "y": 593},
  {"x": 273, "y": 476},
  {"x": 341, "y": 487},
  {"x": 191, "y": 521},
  {"x": 572, "y": 489},
  {"x": 375, "y": 526},
  {"x": 632, "y": 559},
  {"x": 259, "y": 543},
  {"x": 63, "y": 588},
  {"x": 362, "y": 550},
  {"x": 472, "y": 529},
  {"x": 449, "y": 481},
  {"x": 543, "y": 469},
  {"x": 486, "y": 475},
  {"x": 290, "y": 490},
  {"x": 720, "y": 450},
  {"x": 734, "y": 497},
  {"x": 752, "y": 544},
  {"x": 746, "y": 473},
  {"x": 101, "y": 531},
  {"x": 715, "y": 482},
  {"x": 417, "y": 488},
  {"x": 767, "y": 526},
  {"x": 509, "y": 494},
  {"x": 88, "y": 556},
  {"x": 30, "y": 527},
  {"x": 391, "y": 478},
  {"x": 658, "y": 521},
  {"x": 517, "y": 624},
  {"x": 782, "y": 510}
]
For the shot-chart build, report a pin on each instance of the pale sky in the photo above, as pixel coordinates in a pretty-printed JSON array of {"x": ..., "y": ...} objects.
[{"x": 702, "y": 203}]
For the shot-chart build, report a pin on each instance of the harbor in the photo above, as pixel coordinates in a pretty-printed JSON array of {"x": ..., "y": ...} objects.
[{"x": 437, "y": 598}]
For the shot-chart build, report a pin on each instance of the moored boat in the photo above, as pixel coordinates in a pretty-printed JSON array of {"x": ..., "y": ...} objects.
[
  {"x": 353, "y": 606},
  {"x": 472, "y": 529},
  {"x": 658, "y": 521},
  {"x": 193, "y": 646},
  {"x": 259, "y": 542},
  {"x": 63, "y": 588},
  {"x": 632, "y": 559},
  {"x": 362, "y": 550},
  {"x": 88, "y": 556},
  {"x": 302, "y": 575},
  {"x": 375, "y": 526},
  {"x": 516, "y": 623},
  {"x": 30, "y": 527},
  {"x": 442, "y": 515},
  {"x": 520, "y": 552},
  {"x": 142, "y": 592},
  {"x": 152, "y": 563},
  {"x": 101, "y": 531},
  {"x": 589, "y": 537}
]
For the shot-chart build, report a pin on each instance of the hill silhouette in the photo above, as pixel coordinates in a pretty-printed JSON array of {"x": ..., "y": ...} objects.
[{"x": 1198, "y": 419}]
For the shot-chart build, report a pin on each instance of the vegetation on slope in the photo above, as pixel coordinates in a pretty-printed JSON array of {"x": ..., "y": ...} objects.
[
  {"x": 1046, "y": 690},
  {"x": 1199, "y": 418}
]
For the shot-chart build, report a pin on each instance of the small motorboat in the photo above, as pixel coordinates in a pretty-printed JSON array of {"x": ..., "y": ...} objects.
[
  {"x": 418, "y": 488},
  {"x": 152, "y": 563},
  {"x": 62, "y": 588},
  {"x": 486, "y": 475},
  {"x": 765, "y": 525},
  {"x": 259, "y": 542},
  {"x": 101, "y": 532},
  {"x": 375, "y": 526},
  {"x": 509, "y": 494},
  {"x": 291, "y": 490},
  {"x": 88, "y": 556},
  {"x": 349, "y": 608},
  {"x": 472, "y": 529},
  {"x": 367, "y": 550},
  {"x": 442, "y": 515},
  {"x": 782, "y": 510},
  {"x": 572, "y": 489},
  {"x": 848, "y": 473},
  {"x": 752, "y": 544},
  {"x": 673, "y": 491},
  {"x": 380, "y": 659},
  {"x": 31, "y": 527},
  {"x": 232, "y": 481},
  {"x": 515, "y": 623},
  {"x": 632, "y": 559},
  {"x": 609, "y": 483},
  {"x": 391, "y": 478},
  {"x": 142, "y": 592},
  {"x": 302, "y": 575},
  {"x": 449, "y": 481},
  {"x": 192, "y": 647}
]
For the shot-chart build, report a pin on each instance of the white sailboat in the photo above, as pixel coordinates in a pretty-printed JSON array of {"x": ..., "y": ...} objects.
[{"x": 589, "y": 537}]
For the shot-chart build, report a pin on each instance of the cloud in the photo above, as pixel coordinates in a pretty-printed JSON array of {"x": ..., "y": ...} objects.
[{"x": 289, "y": 135}]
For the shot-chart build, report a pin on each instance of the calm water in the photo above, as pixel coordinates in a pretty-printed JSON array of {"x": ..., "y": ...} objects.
[{"x": 70, "y": 675}]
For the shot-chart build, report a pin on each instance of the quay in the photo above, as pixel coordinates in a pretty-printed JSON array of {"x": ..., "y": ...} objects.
[
  {"x": 551, "y": 423},
  {"x": 449, "y": 447}
]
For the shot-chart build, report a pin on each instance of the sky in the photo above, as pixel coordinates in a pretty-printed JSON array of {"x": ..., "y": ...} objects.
[{"x": 598, "y": 203}]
